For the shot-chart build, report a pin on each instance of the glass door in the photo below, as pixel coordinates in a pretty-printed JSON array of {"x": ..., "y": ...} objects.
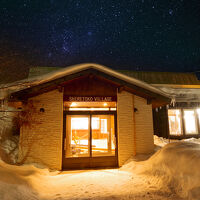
[
  {"x": 89, "y": 140},
  {"x": 103, "y": 135},
  {"x": 77, "y": 136}
]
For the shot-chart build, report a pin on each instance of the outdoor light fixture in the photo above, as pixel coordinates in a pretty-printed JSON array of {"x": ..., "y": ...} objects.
[
  {"x": 42, "y": 110},
  {"x": 105, "y": 104}
]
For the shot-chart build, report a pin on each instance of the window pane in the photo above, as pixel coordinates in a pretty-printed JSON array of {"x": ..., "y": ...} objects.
[
  {"x": 174, "y": 116},
  {"x": 95, "y": 123},
  {"x": 103, "y": 138},
  {"x": 190, "y": 122},
  {"x": 77, "y": 135}
]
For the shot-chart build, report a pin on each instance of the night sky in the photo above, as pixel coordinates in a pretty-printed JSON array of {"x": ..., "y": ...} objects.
[{"x": 153, "y": 35}]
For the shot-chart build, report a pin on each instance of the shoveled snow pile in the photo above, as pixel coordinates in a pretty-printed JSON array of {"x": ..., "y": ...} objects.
[{"x": 175, "y": 166}]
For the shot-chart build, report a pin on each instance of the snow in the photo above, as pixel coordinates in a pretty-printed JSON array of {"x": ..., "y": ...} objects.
[
  {"x": 171, "y": 173},
  {"x": 182, "y": 94},
  {"x": 28, "y": 182},
  {"x": 6, "y": 89}
]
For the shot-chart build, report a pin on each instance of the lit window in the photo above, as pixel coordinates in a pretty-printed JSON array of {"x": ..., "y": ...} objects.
[
  {"x": 88, "y": 109},
  {"x": 79, "y": 123},
  {"x": 174, "y": 116},
  {"x": 190, "y": 122},
  {"x": 103, "y": 125},
  {"x": 95, "y": 123}
]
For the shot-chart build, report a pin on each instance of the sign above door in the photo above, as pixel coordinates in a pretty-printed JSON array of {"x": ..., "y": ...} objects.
[{"x": 90, "y": 98}]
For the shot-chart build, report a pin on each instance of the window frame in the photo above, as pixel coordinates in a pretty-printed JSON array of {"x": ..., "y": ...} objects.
[
  {"x": 181, "y": 123},
  {"x": 184, "y": 133},
  {"x": 196, "y": 121}
]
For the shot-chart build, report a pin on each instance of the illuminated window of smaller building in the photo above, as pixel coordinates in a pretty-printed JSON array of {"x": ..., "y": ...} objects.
[
  {"x": 175, "y": 125},
  {"x": 190, "y": 122}
]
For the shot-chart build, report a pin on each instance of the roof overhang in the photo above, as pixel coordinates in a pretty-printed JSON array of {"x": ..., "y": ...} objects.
[{"x": 44, "y": 83}]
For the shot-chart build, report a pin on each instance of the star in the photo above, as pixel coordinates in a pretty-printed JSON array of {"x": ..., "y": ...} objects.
[
  {"x": 65, "y": 48},
  {"x": 49, "y": 54},
  {"x": 89, "y": 33},
  {"x": 170, "y": 11}
]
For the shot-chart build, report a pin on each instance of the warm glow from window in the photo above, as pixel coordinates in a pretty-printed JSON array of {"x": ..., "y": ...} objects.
[
  {"x": 103, "y": 125},
  {"x": 174, "y": 117},
  {"x": 190, "y": 122},
  {"x": 99, "y": 137},
  {"x": 88, "y": 109},
  {"x": 95, "y": 123},
  {"x": 79, "y": 123},
  {"x": 67, "y": 105}
]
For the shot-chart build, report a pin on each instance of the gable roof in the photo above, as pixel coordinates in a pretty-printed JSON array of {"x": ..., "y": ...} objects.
[
  {"x": 151, "y": 77},
  {"x": 64, "y": 74}
]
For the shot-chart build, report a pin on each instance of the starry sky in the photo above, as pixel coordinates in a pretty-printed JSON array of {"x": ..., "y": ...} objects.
[{"x": 150, "y": 35}]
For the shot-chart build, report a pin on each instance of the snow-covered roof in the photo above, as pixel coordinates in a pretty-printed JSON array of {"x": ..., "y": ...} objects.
[
  {"x": 26, "y": 83},
  {"x": 164, "y": 78},
  {"x": 182, "y": 94}
]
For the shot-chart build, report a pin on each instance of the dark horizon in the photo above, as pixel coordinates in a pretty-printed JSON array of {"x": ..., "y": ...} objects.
[{"x": 133, "y": 35}]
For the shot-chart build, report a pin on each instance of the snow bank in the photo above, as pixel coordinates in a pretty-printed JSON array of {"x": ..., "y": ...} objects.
[
  {"x": 9, "y": 149},
  {"x": 175, "y": 166},
  {"x": 160, "y": 141},
  {"x": 172, "y": 170},
  {"x": 8, "y": 138},
  {"x": 16, "y": 181}
]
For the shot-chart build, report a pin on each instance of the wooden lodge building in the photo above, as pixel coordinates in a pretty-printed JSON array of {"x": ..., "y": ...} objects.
[
  {"x": 89, "y": 115},
  {"x": 181, "y": 118},
  {"x": 86, "y": 115}
]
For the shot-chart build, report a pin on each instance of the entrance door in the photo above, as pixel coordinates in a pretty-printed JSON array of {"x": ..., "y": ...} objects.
[{"x": 89, "y": 140}]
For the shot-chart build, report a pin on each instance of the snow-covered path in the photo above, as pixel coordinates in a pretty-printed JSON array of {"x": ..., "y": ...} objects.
[
  {"x": 111, "y": 184},
  {"x": 173, "y": 170},
  {"x": 28, "y": 182}
]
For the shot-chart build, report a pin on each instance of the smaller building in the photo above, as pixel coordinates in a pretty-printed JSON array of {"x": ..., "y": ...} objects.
[
  {"x": 86, "y": 115},
  {"x": 180, "y": 119}
]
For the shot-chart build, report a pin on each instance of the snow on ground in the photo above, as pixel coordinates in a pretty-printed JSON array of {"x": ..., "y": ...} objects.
[
  {"x": 174, "y": 166},
  {"x": 28, "y": 182},
  {"x": 172, "y": 173}
]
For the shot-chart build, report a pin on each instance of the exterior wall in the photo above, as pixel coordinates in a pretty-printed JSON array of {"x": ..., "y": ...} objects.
[
  {"x": 42, "y": 141},
  {"x": 125, "y": 124},
  {"x": 143, "y": 126}
]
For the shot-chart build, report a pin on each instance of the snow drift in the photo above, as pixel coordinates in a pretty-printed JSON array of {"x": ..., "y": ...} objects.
[
  {"x": 175, "y": 166},
  {"x": 172, "y": 170}
]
